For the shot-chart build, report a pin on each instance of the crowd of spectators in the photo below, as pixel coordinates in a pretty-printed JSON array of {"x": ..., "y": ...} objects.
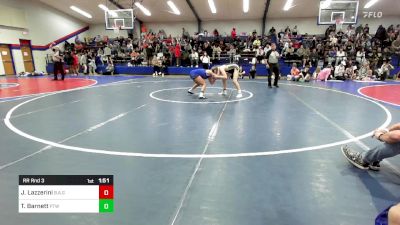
[{"x": 351, "y": 53}]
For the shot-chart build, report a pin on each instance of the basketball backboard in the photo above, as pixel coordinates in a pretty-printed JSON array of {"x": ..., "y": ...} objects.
[
  {"x": 121, "y": 18},
  {"x": 331, "y": 11}
]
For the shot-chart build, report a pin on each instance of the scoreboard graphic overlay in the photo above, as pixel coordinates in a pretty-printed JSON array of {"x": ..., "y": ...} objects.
[{"x": 66, "y": 194}]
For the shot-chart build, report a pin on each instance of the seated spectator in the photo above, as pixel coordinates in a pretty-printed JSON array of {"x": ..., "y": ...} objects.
[
  {"x": 109, "y": 69},
  {"x": 363, "y": 71},
  {"x": 294, "y": 73},
  {"x": 340, "y": 56},
  {"x": 340, "y": 71},
  {"x": 325, "y": 74},
  {"x": 305, "y": 74},
  {"x": 256, "y": 43},
  {"x": 156, "y": 62},
  {"x": 385, "y": 69},
  {"x": 316, "y": 72},
  {"x": 260, "y": 54},
  {"x": 360, "y": 56},
  {"x": 300, "y": 52},
  {"x": 313, "y": 57}
]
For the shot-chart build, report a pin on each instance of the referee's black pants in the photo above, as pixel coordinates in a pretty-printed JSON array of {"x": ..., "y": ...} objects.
[
  {"x": 273, "y": 68},
  {"x": 59, "y": 67}
]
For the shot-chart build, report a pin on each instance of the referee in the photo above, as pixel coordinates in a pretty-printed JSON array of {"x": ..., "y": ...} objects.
[
  {"x": 273, "y": 65},
  {"x": 58, "y": 61}
]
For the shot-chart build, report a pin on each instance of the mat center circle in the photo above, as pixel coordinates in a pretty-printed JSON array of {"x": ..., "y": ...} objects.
[{"x": 180, "y": 95}]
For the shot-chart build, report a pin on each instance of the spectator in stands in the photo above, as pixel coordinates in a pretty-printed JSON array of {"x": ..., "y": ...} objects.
[
  {"x": 289, "y": 52},
  {"x": 305, "y": 74},
  {"x": 294, "y": 31},
  {"x": 360, "y": 56},
  {"x": 300, "y": 52},
  {"x": 316, "y": 72},
  {"x": 340, "y": 56},
  {"x": 363, "y": 71},
  {"x": 156, "y": 66},
  {"x": 272, "y": 31},
  {"x": 294, "y": 73},
  {"x": 216, "y": 33},
  {"x": 75, "y": 64},
  {"x": 83, "y": 61},
  {"x": 216, "y": 52},
  {"x": 325, "y": 74},
  {"x": 287, "y": 30},
  {"x": 194, "y": 58},
  {"x": 231, "y": 53},
  {"x": 205, "y": 60},
  {"x": 366, "y": 29},
  {"x": 92, "y": 65},
  {"x": 233, "y": 33},
  {"x": 259, "y": 54},
  {"x": 178, "y": 54},
  {"x": 256, "y": 43},
  {"x": 385, "y": 70},
  {"x": 109, "y": 69},
  {"x": 340, "y": 71}
]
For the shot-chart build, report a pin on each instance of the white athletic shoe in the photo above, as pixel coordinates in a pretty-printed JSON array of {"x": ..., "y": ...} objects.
[
  {"x": 239, "y": 95},
  {"x": 190, "y": 91},
  {"x": 154, "y": 74},
  {"x": 201, "y": 96},
  {"x": 162, "y": 75},
  {"x": 224, "y": 92}
]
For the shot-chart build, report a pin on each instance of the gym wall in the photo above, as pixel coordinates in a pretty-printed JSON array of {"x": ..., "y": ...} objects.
[{"x": 43, "y": 25}]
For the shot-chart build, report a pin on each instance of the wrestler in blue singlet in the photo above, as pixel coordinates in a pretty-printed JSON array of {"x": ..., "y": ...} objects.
[{"x": 198, "y": 72}]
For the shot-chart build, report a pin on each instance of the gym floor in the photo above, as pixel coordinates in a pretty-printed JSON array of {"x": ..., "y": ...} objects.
[{"x": 271, "y": 157}]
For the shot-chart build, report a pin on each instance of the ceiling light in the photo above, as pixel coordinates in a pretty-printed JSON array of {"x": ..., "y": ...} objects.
[
  {"x": 246, "y": 4},
  {"x": 174, "y": 8},
  {"x": 80, "y": 11},
  {"x": 370, "y": 3},
  {"x": 325, "y": 4},
  {"x": 212, "y": 6},
  {"x": 111, "y": 12},
  {"x": 288, "y": 5},
  {"x": 144, "y": 10}
]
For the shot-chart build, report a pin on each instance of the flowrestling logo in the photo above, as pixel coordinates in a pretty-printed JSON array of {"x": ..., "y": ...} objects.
[{"x": 373, "y": 14}]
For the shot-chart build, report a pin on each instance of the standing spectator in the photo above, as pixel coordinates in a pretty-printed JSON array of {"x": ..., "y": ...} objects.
[
  {"x": 295, "y": 31},
  {"x": 92, "y": 65},
  {"x": 233, "y": 33},
  {"x": 58, "y": 61},
  {"x": 216, "y": 51},
  {"x": 75, "y": 64},
  {"x": 205, "y": 60},
  {"x": 231, "y": 53},
  {"x": 194, "y": 58},
  {"x": 273, "y": 65},
  {"x": 178, "y": 54},
  {"x": 83, "y": 61}
]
